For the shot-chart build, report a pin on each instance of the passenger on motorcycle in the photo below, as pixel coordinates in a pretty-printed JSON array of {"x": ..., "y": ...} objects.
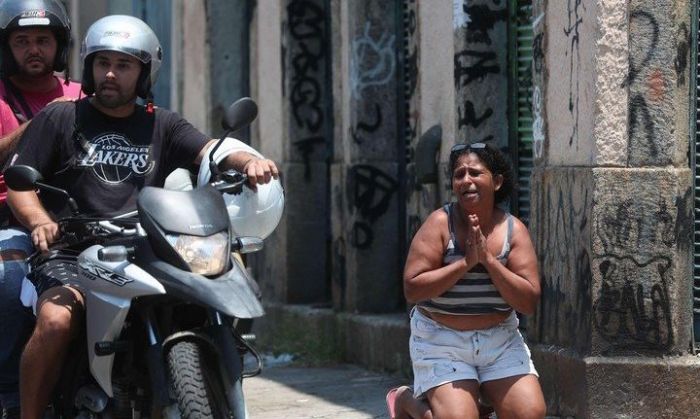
[
  {"x": 34, "y": 38},
  {"x": 102, "y": 150}
]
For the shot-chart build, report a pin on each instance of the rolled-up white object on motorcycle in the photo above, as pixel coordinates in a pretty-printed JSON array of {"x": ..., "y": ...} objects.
[{"x": 251, "y": 213}]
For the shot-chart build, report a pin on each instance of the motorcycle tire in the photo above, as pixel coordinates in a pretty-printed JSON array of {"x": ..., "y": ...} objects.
[{"x": 196, "y": 386}]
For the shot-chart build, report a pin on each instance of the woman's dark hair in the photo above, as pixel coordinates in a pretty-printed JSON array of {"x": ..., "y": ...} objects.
[{"x": 494, "y": 160}]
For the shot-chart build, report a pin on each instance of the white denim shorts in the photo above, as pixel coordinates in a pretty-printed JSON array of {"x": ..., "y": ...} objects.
[{"x": 443, "y": 355}]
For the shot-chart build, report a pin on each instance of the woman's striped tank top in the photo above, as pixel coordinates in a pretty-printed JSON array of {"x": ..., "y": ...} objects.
[{"x": 474, "y": 293}]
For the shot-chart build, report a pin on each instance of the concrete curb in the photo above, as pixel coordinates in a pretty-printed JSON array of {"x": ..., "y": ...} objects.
[{"x": 317, "y": 336}]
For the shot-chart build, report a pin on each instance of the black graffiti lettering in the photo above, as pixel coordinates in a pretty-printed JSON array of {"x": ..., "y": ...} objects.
[
  {"x": 681, "y": 61},
  {"x": 306, "y": 108},
  {"x": 306, "y": 29},
  {"x": 305, "y": 20},
  {"x": 565, "y": 304},
  {"x": 572, "y": 31},
  {"x": 306, "y": 147},
  {"x": 362, "y": 235},
  {"x": 368, "y": 127},
  {"x": 468, "y": 117},
  {"x": 482, "y": 20},
  {"x": 640, "y": 121},
  {"x": 372, "y": 191},
  {"x": 538, "y": 52},
  {"x": 634, "y": 315},
  {"x": 647, "y": 22},
  {"x": 474, "y": 65}
]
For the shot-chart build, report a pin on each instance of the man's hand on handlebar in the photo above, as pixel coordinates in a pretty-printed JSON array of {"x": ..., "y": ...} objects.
[
  {"x": 44, "y": 235},
  {"x": 260, "y": 171}
]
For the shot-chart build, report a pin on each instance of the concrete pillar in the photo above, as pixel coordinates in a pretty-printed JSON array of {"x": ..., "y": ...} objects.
[
  {"x": 228, "y": 32},
  {"x": 368, "y": 146},
  {"x": 612, "y": 208},
  {"x": 269, "y": 136},
  {"x": 481, "y": 71},
  {"x": 194, "y": 74},
  {"x": 296, "y": 31},
  {"x": 430, "y": 105}
]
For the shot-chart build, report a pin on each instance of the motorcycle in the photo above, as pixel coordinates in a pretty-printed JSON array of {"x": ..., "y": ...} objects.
[{"x": 162, "y": 295}]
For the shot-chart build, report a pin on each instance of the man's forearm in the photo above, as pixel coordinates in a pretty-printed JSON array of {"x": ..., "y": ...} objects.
[
  {"x": 237, "y": 161},
  {"x": 28, "y": 209}
]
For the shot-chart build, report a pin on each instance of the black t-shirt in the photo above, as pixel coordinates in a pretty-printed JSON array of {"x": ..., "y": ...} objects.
[{"x": 105, "y": 161}]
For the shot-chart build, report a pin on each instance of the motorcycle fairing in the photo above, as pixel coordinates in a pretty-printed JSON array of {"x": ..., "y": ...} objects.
[
  {"x": 199, "y": 212},
  {"x": 230, "y": 293},
  {"x": 109, "y": 288}
]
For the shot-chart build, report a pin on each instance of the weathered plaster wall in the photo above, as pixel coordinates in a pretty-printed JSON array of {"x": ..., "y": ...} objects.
[
  {"x": 481, "y": 70},
  {"x": 306, "y": 124},
  {"x": 612, "y": 204},
  {"x": 195, "y": 71},
  {"x": 571, "y": 27},
  {"x": 365, "y": 172},
  {"x": 268, "y": 135},
  {"x": 639, "y": 261}
]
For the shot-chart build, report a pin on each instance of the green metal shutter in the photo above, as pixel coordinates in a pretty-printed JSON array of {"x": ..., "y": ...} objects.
[
  {"x": 520, "y": 48},
  {"x": 695, "y": 68}
]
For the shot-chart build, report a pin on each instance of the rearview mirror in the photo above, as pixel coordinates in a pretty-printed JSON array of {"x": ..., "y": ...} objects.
[
  {"x": 240, "y": 114},
  {"x": 22, "y": 178}
]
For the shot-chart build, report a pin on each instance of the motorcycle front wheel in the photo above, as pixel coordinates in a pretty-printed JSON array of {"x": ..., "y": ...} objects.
[{"x": 196, "y": 383}]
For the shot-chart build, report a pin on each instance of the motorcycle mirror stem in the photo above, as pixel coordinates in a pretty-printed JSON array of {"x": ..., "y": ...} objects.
[
  {"x": 27, "y": 178},
  {"x": 241, "y": 113},
  {"x": 71, "y": 202}
]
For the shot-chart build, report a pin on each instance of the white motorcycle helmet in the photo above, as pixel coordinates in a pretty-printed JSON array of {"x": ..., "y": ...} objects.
[
  {"x": 126, "y": 34},
  {"x": 251, "y": 213}
]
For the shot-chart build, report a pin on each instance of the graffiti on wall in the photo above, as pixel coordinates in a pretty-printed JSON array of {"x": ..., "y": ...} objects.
[
  {"x": 482, "y": 20},
  {"x": 476, "y": 61},
  {"x": 571, "y": 30},
  {"x": 565, "y": 262},
  {"x": 410, "y": 76},
  {"x": 641, "y": 125},
  {"x": 633, "y": 309},
  {"x": 373, "y": 61},
  {"x": 365, "y": 128},
  {"x": 658, "y": 65},
  {"x": 306, "y": 63},
  {"x": 538, "y": 122},
  {"x": 370, "y": 193}
]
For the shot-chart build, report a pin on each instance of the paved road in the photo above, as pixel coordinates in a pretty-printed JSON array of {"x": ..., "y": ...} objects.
[{"x": 289, "y": 392}]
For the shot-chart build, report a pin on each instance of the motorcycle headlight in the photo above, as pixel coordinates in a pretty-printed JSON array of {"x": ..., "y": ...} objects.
[{"x": 204, "y": 255}]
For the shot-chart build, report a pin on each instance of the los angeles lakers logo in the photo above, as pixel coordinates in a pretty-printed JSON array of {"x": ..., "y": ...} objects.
[{"x": 114, "y": 159}]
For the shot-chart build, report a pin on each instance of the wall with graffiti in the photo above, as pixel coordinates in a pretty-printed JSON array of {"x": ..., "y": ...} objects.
[
  {"x": 365, "y": 175},
  {"x": 570, "y": 85}
]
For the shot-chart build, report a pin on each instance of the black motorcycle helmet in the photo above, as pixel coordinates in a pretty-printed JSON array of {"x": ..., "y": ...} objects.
[{"x": 33, "y": 13}]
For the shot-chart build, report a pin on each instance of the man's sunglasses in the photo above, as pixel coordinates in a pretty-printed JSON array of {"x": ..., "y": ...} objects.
[{"x": 460, "y": 147}]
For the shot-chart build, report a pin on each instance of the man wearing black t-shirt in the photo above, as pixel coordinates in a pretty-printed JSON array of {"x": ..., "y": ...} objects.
[{"x": 102, "y": 150}]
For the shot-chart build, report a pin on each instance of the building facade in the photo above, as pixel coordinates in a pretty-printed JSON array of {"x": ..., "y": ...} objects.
[{"x": 360, "y": 102}]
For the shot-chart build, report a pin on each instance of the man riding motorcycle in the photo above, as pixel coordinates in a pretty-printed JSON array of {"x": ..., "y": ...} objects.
[
  {"x": 105, "y": 148},
  {"x": 34, "y": 37}
]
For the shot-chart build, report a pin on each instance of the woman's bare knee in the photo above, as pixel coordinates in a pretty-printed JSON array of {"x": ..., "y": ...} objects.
[
  {"x": 457, "y": 400},
  {"x": 518, "y": 397}
]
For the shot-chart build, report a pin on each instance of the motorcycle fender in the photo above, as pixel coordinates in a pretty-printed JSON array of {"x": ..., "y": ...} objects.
[{"x": 109, "y": 288}]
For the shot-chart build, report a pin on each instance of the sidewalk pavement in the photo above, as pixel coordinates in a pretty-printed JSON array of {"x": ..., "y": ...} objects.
[{"x": 342, "y": 391}]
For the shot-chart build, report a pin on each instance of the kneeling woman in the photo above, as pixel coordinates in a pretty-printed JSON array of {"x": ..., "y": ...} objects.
[{"x": 470, "y": 267}]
